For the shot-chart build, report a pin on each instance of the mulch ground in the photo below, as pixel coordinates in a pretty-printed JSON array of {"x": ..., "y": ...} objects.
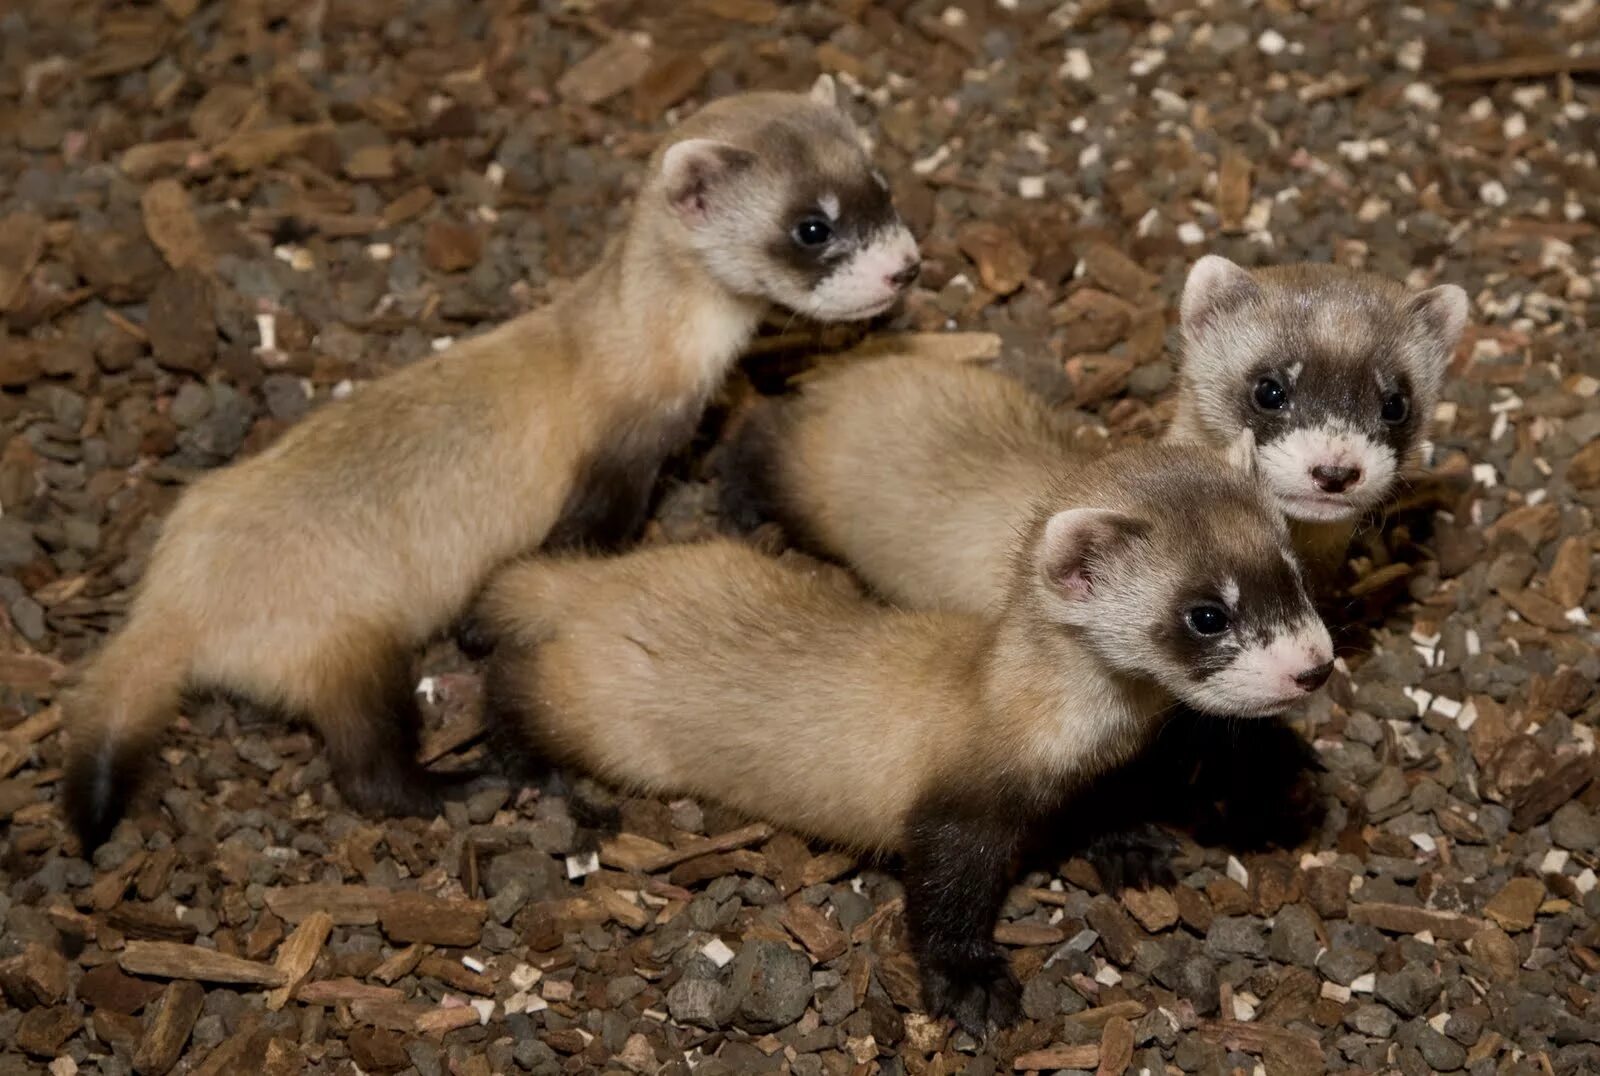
[{"x": 216, "y": 216}]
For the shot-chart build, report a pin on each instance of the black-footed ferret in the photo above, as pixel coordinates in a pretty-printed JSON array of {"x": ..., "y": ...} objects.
[
  {"x": 1336, "y": 374},
  {"x": 917, "y": 472},
  {"x": 713, "y": 670},
  {"x": 305, "y": 577}
]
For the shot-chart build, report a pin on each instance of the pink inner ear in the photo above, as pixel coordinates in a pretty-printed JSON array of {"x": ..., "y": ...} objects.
[{"x": 1076, "y": 584}]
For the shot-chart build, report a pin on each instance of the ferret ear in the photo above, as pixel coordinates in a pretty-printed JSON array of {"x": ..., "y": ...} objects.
[
  {"x": 1074, "y": 540},
  {"x": 1214, "y": 287},
  {"x": 692, "y": 170},
  {"x": 825, "y": 92},
  {"x": 1438, "y": 316},
  {"x": 1242, "y": 453}
]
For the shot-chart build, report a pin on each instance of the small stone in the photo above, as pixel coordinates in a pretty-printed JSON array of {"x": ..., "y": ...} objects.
[
  {"x": 1409, "y": 991},
  {"x": 772, "y": 985},
  {"x": 1438, "y": 1051},
  {"x": 1236, "y": 936},
  {"x": 1496, "y": 949},
  {"x": 1294, "y": 937},
  {"x": 1389, "y": 789},
  {"x": 1574, "y": 827},
  {"x": 1192, "y": 976},
  {"x": 702, "y": 1002},
  {"x": 1373, "y": 1020},
  {"x": 190, "y": 405},
  {"x": 542, "y": 877},
  {"x": 1516, "y": 905}
]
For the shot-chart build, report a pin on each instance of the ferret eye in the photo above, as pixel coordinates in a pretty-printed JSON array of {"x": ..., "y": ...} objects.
[
  {"x": 812, "y": 232},
  {"x": 1208, "y": 619},
  {"x": 1271, "y": 395},
  {"x": 1395, "y": 408}
]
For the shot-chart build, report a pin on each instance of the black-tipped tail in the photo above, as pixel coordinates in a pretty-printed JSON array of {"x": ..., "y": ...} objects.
[{"x": 102, "y": 777}]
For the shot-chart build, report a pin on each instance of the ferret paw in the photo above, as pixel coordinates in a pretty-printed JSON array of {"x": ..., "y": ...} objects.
[
  {"x": 1134, "y": 858},
  {"x": 975, "y": 991}
]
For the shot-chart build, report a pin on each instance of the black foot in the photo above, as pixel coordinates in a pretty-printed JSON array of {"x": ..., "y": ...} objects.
[
  {"x": 975, "y": 989},
  {"x": 1134, "y": 858}
]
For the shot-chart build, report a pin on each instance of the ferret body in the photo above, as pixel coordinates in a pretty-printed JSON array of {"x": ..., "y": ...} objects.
[
  {"x": 714, "y": 671},
  {"x": 305, "y": 577},
  {"x": 913, "y": 471}
]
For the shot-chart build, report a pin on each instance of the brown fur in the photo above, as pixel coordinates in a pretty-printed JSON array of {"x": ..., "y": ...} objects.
[{"x": 303, "y": 578}]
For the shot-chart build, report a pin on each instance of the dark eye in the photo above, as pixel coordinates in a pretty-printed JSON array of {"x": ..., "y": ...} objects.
[
  {"x": 1270, "y": 394},
  {"x": 813, "y": 232},
  {"x": 1208, "y": 619},
  {"x": 1395, "y": 408}
]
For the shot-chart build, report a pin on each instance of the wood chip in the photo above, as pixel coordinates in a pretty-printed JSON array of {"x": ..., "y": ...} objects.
[
  {"x": 1086, "y": 1056},
  {"x": 399, "y": 965},
  {"x": 1404, "y": 919},
  {"x": 1116, "y": 1047},
  {"x": 333, "y": 991},
  {"x": 810, "y": 926},
  {"x": 170, "y": 222},
  {"x": 1117, "y": 273},
  {"x": 607, "y": 71},
  {"x": 648, "y": 857},
  {"x": 1516, "y": 905},
  {"x": 173, "y": 961},
  {"x": 22, "y": 241},
  {"x": 456, "y": 975},
  {"x": 1233, "y": 189},
  {"x": 417, "y": 917},
  {"x": 1003, "y": 262},
  {"x": 175, "y": 1017},
  {"x": 443, "y": 1020},
  {"x": 34, "y": 977},
  {"x": 16, "y": 743},
  {"x": 1538, "y": 800},
  {"x": 1519, "y": 67},
  {"x": 1568, "y": 581},
  {"x": 349, "y": 905},
  {"x": 1093, "y": 1018},
  {"x": 297, "y": 955},
  {"x": 249, "y": 151},
  {"x": 1282, "y": 1050}
]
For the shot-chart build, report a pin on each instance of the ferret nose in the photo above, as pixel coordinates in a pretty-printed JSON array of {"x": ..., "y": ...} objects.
[
  {"x": 1314, "y": 678},
  {"x": 908, "y": 274},
  {"x": 1335, "y": 479}
]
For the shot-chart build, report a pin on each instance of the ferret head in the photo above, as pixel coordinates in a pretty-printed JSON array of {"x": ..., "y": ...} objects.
[
  {"x": 1334, "y": 373},
  {"x": 776, "y": 195},
  {"x": 1181, "y": 572}
]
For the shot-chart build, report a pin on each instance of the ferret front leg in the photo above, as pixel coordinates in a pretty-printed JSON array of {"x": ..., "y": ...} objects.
[{"x": 960, "y": 859}]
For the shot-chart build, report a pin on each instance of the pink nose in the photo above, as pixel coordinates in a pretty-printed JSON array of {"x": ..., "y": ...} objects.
[
  {"x": 906, "y": 275},
  {"x": 1332, "y": 479},
  {"x": 1314, "y": 678}
]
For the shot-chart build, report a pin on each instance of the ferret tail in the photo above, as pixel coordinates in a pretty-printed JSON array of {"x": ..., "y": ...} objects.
[{"x": 127, "y": 695}]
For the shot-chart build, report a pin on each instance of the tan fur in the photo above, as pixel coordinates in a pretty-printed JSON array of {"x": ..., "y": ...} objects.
[
  {"x": 304, "y": 576},
  {"x": 715, "y": 671},
  {"x": 919, "y": 474}
]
